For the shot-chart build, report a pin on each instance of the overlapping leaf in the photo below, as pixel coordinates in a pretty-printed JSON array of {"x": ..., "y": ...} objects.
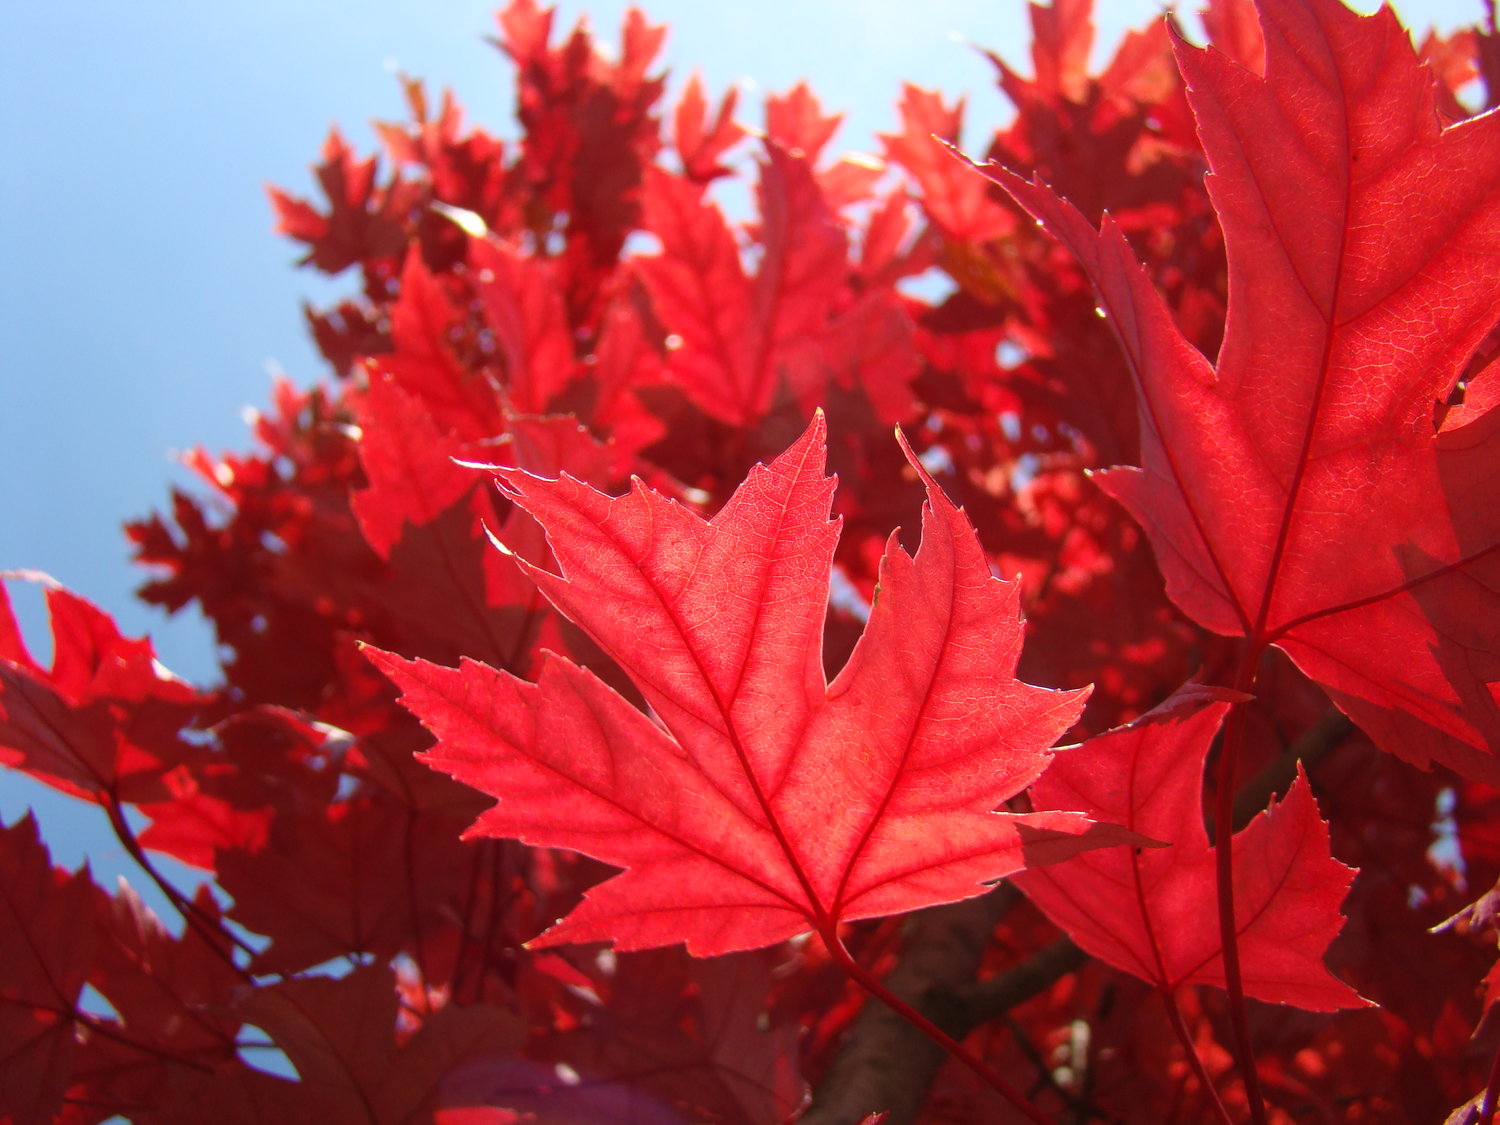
[
  {"x": 795, "y": 323},
  {"x": 669, "y": 1038},
  {"x": 342, "y": 1035},
  {"x": 1153, "y": 913},
  {"x": 1304, "y": 490},
  {"x": 104, "y": 719}
]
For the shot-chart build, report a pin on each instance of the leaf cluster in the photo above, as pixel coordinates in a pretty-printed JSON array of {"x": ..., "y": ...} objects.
[{"x": 582, "y": 751}]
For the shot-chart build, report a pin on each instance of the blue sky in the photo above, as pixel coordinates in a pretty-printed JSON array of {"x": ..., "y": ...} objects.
[{"x": 145, "y": 301}]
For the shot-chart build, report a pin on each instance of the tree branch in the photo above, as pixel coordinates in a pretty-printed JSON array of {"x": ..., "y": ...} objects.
[
  {"x": 1319, "y": 740},
  {"x": 886, "y": 1064}
]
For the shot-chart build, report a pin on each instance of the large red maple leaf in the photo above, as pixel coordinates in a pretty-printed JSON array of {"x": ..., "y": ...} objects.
[
  {"x": 1308, "y": 490},
  {"x": 757, "y": 801}
]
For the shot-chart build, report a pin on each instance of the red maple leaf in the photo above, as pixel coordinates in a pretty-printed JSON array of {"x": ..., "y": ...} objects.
[
  {"x": 465, "y": 169},
  {"x": 364, "y": 220},
  {"x": 425, "y": 363},
  {"x": 959, "y": 205},
  {"x": 1152, "y": 913},
  {"x": 523, "y": 308},
  {"x": 700, "y": 146},
  {"x": 105, "y": 719},
  {"x": 1330, "y": 485},
  {"x": 795, "y": 321},
  {"x": 767, "y": 802}
]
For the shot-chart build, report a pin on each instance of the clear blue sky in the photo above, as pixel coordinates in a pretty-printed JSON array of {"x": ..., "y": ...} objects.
[{"x": 144, "y": 298}]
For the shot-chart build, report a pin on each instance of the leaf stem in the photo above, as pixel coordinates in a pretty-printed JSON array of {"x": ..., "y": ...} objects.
[
  {"x": 1180, "y": 1027},
  {"x": 212, "y": 933},
  {"x": 870, "y": 984},
  {"x": 108, "y": 1030},
  {"x": 1229, "y": 752}
]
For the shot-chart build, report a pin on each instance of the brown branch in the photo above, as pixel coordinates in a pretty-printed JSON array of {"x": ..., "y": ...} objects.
[
  {"x": 886, "y": 1064},
  {"x": 1319, "y": 740},
  {"x": 985, "y": 1000}
]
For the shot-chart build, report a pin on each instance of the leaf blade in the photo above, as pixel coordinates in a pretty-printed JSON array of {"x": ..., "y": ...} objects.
[
  {"x": 765, "y": 803},
  {"x": 1298, "y": 492}
]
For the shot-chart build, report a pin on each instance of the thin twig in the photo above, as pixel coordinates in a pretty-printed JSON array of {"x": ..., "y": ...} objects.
[
  {"x": 885, "y": 1063},
  {"x": 208, "y": 929},
  {"x": 1234, "y": 736},
  {"x": 1194, "y": 1060}
]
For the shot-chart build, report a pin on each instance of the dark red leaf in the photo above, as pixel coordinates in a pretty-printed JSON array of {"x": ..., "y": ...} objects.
[
  {"x": 342, "y": 1036},
  {"x": 46, "y": 946}
]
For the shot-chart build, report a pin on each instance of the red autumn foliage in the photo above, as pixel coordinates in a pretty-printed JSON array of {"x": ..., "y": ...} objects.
[{"x": 812, "y": 743}]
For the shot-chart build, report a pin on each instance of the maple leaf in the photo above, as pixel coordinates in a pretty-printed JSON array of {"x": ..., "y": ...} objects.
[
  {"x": 410, "y": 474},
  {"x": 353, "y": 1062},
  {"x": 797, "y": 122},
  {"x": 699, "y": 146},
  {"x": 424, "y": 363},
  {"x": 767, "y": 801},
  {"x": 444, "y": 592},
  {"x": 1153, "y": 913},
  {"x": 523, "y": 308},
  {"x": 105, "y": 719},
  {"x": 346, "y": 333},
  {"x": 958, "y": 205},
  {"x": 1303, "y": 491},
  {"x": 171, "y": 999},
  {"x": 327, "y": 882},
  {"x": 143, "y": 971},
  {"x": 363, "y": 220},
  {"x": 793, "y": 321},
  {"x": 465, "y": 171},
  {"x": 590, "y": 128}
]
